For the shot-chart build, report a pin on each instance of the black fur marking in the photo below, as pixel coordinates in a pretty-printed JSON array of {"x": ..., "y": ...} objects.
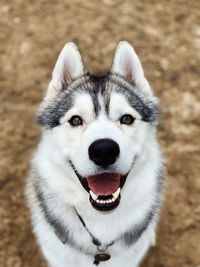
[{"x": 99, "y": 85}]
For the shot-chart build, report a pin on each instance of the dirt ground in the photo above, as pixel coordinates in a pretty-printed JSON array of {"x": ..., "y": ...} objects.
[{"x": 166, "y": 35}]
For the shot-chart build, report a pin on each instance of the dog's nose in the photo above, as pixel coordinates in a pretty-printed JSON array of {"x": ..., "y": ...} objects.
[{"x": 104, "y": 152}]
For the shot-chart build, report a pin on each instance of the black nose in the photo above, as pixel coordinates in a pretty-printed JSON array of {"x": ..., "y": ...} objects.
[{"x": 104, "y": 152}]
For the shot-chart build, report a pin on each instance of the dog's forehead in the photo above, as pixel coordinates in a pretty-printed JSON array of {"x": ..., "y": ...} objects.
[
  {"x": 98, "y": 92},
  {"x": 112, "y": 94},
  {"x": 90, "y": 92},
  {"x": 108, "y": 102}
]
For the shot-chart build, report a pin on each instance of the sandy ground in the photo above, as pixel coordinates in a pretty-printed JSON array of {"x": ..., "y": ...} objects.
[{"x": 166, "y": 35}]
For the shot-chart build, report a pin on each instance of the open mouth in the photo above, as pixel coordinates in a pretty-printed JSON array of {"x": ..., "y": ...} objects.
[{"x": 104, "y": 189}]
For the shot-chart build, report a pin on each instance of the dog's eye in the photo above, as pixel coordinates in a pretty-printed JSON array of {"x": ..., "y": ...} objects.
[
  {"x": 127, "y": 119},
  {"x": 75, "y": 120}
]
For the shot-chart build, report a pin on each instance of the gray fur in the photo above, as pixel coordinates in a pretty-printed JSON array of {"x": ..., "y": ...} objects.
[
  {"x": 136, "y": 232},
  {"x": 59, "y": 229}
]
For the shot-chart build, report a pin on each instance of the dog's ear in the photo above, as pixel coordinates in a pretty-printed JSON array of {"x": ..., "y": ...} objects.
[
  {"x": 127, "y": 64},
  {"x": 69, "y": 66}
]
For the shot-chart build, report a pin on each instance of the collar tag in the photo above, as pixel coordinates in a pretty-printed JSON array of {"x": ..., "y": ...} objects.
[{"x": 101, "y": 257}]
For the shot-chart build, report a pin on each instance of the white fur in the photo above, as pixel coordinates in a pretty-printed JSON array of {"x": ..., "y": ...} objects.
[{"x": 138, "y": 194}]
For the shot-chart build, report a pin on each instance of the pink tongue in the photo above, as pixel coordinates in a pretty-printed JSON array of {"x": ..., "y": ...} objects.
[{"x": 104, "y": 184}]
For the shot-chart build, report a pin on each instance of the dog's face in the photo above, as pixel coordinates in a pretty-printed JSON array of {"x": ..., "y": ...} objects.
[{"x": 99, "y": 125}]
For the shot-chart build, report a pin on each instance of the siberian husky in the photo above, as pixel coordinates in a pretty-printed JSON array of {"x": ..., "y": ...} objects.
[{"x": 96, "y": 183}]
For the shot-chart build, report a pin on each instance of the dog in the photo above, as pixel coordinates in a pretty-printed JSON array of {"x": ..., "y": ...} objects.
[{"x": 96, "y": 182}]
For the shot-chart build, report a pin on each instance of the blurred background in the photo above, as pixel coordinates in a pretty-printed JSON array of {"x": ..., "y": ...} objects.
[{"x": 166, "y": 36}]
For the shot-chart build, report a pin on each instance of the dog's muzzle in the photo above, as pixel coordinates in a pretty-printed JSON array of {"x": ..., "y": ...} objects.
[{"x": 103, "y": 188}]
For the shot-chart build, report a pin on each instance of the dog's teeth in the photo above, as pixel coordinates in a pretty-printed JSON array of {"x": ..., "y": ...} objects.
[
  {"x": 93, "y": 195},
  {"x": 105, "y": 201},
  {"x": 116, "y": 194}
]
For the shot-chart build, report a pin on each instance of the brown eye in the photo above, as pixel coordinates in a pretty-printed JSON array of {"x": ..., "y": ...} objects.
[
  {"x": 76, "y": 120},
  {"x": 127, "y": 119}
]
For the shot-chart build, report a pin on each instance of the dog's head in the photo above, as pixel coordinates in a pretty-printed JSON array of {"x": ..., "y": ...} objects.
[{"x": 98, "y": 125}]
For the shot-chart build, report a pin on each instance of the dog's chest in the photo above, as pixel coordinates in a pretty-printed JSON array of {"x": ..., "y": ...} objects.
[
  {"x": 99, "y": 249},
  {"x": 87, "y": 254}
]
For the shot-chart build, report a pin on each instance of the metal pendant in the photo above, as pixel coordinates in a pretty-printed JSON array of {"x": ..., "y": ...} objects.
[{"x": 101, "y": 257}]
